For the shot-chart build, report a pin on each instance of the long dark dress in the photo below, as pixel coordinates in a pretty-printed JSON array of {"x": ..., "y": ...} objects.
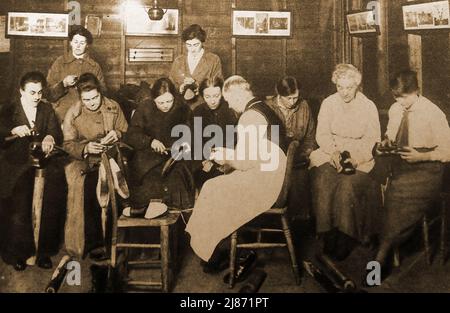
[
  {"x": 222, "y": 116},
  {"x": 16, "y": 187},
  {"x": 146, "y": 181}
]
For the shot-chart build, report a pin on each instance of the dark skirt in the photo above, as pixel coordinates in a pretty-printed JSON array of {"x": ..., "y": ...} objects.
[
  {"x": 410, "y": 194},
  {"x": 16, "y": 229},
  {"x": 176, "y": 189},
  {"x": 348, "y": 203}
]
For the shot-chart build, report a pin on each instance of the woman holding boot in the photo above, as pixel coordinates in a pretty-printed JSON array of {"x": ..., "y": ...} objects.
[{"x": 344, "y": 202}]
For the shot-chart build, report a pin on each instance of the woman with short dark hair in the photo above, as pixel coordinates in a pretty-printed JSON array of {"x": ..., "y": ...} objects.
[
  {"x": 297, "y": 118},
  {"x": 417, "y": 128},
  {"x": 213, "y": 112},
  {"x": 92, "y": 124},
  {"x": 150, "y": 134},
  {"x": 189, "y": 70},
  {"x": 30, "y": 120}
]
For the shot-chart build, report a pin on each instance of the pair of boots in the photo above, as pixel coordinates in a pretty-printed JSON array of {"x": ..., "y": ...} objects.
[{"x": 337, "y": 245}]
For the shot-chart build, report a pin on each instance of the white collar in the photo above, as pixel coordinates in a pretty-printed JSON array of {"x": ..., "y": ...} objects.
[{"x": 197, "y": 56}]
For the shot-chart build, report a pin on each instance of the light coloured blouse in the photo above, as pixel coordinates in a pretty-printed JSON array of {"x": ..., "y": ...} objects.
[
  {"x": 352, "y": 127},
  {"x": 428, "y": 127}
]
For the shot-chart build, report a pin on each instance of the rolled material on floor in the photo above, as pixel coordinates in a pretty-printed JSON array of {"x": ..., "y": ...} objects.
[
  {"x": 58, "y": 275},
  {"x": 341, "y": 279}
]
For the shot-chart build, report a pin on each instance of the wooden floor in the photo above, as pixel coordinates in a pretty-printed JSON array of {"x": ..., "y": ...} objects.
[{"x": 413, "y": 275}]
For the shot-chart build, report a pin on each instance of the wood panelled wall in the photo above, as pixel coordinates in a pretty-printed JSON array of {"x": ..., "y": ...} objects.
[
  {"x": 435, "y": 60},
  {"x": 309, "y": 54}
]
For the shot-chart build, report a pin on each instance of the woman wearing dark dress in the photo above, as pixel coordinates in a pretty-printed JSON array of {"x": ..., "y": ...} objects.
[
  {"x": 17, "y": 176},
  {"x": 214, "y": 115},
  {"x": 150, "y": 135}
]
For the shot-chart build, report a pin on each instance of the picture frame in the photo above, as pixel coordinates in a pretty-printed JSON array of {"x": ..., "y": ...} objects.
[
  {"x": 362, "y": 23},
  {"x": 137, "y": 22},
  {"x": 35, "y": 24},
  {"x": 261, "y": 23},
  {"x": 93, "y": 23},
  {"x": 426, "y": 16}
]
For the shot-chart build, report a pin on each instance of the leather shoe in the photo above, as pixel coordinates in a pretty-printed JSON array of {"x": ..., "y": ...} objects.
[
  {"x": 98, "y": 254},
  {"x": 45, "y": 263},
  {"x": 245, "y": 265},
  {"x": 20, "y": 266}
]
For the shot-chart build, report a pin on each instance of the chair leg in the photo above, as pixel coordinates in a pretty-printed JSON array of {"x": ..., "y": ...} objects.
[
  {"x": 233, "y": 252},
  {"x": 443, "y": 243},
  {"x": 165, "y": 256},
  {"x": 426, "y": 239},
  {"x": 290, "y": 246}
]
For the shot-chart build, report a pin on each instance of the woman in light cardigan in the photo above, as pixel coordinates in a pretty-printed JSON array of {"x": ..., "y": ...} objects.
[{"x": 345, "y": 205}]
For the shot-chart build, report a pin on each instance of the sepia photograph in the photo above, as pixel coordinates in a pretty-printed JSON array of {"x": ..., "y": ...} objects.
[
  {"x": 261, "y": 23},
  {"x": 37, "y": 24},
  {"x": 431, "y": 15},
  {"x": 361, "y": 23},
  {"x": 224, "y": 156}
]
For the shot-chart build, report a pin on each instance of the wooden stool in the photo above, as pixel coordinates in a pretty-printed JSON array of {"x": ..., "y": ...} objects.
[
  {"x": 164, "y": 223},
  {"x": 426, "y": 223}
]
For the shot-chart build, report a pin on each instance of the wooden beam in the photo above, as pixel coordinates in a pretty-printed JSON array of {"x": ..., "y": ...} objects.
[
  {"x": 123, "y": 47},
  {"x": 233, "y": 45},
  {"x": 284, "y": 47},
  {"x": 415, "y": 55},
  {"x": 383, "y": 46},
  {"x": 356, "y": 54}
]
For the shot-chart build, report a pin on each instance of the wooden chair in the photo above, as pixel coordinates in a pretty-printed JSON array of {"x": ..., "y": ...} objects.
[
  {"x": 426, "y": 224},
  {"x": 280, "y": 210},
  {"x": 118, "y": 240}
]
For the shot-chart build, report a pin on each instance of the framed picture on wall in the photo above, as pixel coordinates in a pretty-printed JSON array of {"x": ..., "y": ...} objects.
[
  {"x": 361, "y": 23},
  {"x": 426, "y": 16},
  {"x": 262, "y": 23},
  {"x": 137, "y": 22},
  {"x": 37, "y": 24},
  {"x": 93, "y": 24}
]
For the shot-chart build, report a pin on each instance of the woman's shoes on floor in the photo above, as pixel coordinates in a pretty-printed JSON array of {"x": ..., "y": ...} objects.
[
  {"x": 98, "y": 254},
  {"x": 20, "y": 266},
  {"x": 244, "y": 267},
  {"x": 45, "y": 263}
]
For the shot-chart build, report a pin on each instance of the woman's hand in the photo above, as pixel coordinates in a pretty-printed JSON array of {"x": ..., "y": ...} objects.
[
  {"x": 48, "y": 144},
  {"x": 186, "y": 81},
  {"x": 207, "y": 165},
  {"x": 335, "y": 161},
  {"x": 411, "y": 155},
  {"x": 221, "y": 155},
  {"x": 158, "y": 146},
  {"x": 70, "y": 80},
  {"x": 94, "y": 148},
  {"x": 352, "y": 161},
  {"x": 21, "y": 131},
  {"x": 110, "y": 138}
]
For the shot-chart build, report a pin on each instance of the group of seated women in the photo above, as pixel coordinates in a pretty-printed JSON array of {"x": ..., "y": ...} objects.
[{"x": 228, "y": 185}]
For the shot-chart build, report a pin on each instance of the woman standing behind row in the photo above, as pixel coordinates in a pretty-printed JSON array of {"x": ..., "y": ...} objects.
[
  {"x": 188, "y": 71},
  {"x": 65, "y": 71}
]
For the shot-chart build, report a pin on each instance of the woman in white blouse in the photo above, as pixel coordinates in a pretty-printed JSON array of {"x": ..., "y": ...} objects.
[
  {"x": 189, "y": 70},
  {"x": 345, "y": 205},
  {"x": 422, "y": 136}
]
